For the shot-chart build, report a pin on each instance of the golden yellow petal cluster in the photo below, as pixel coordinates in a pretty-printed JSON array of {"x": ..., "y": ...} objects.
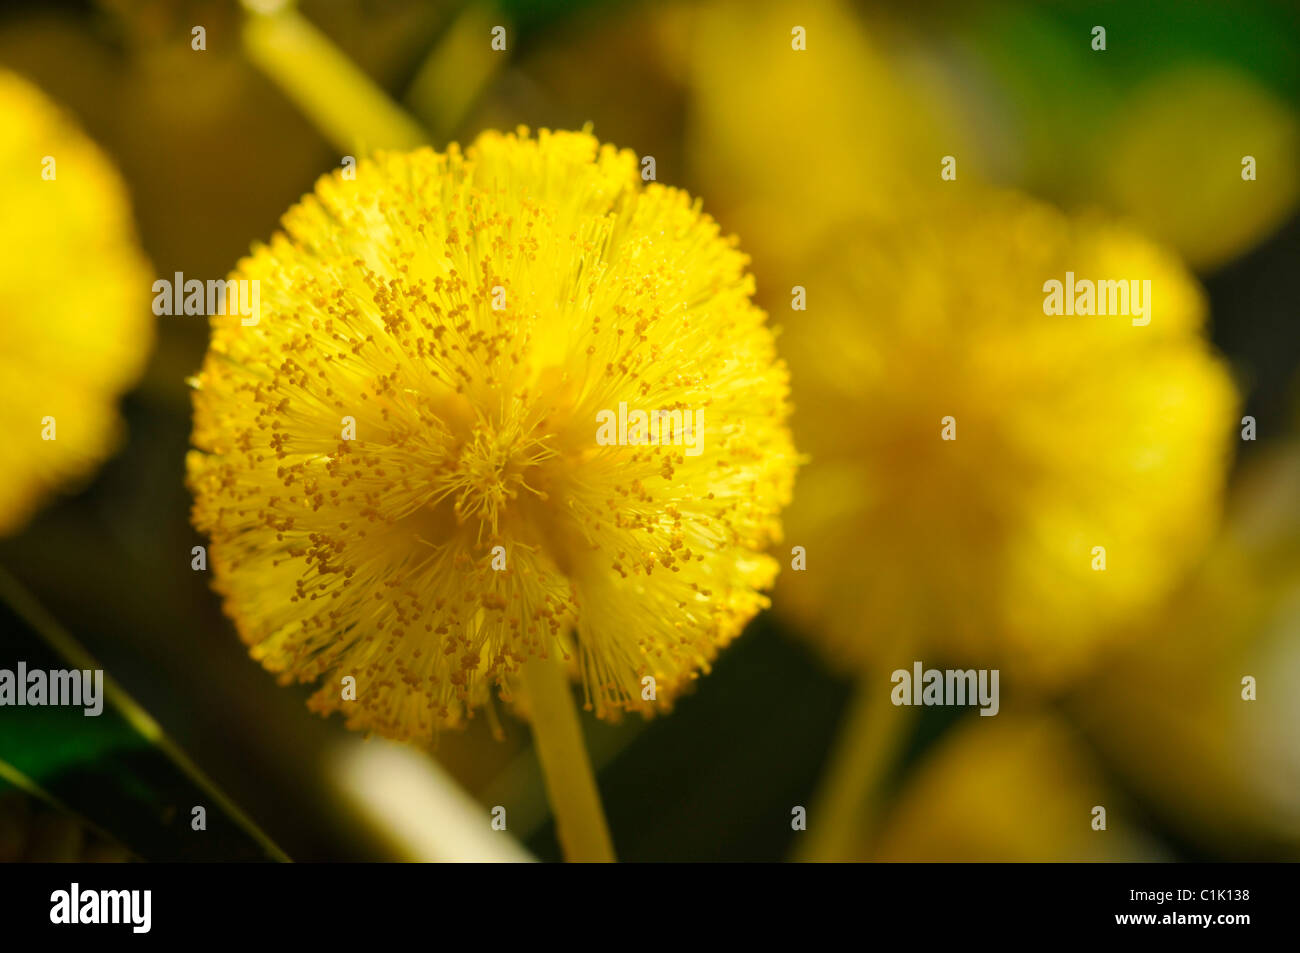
[
  {"x": 75, "y": 324},
  {"x": 1074, "y": 436},
  {"x": 470, "y": 315}
]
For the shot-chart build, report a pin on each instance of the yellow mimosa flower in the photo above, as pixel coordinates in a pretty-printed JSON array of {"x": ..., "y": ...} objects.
[
  {"x": 1019, "y": 788},
  {"x": 1198, "y": 712},
  {"x": 1204, "y": 159},
  {"x": 804, "y": 120},
  {"x": 74, "y": 302},
  {"x": 420, "y": 466},
  {"x": 991, "y": 482}
]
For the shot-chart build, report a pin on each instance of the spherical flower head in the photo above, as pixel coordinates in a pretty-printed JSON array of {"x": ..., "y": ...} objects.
[
  {"x": 407, "y": 466},
  {"x": 989, "y": 482},
  {"x": 75, "y": 325}
]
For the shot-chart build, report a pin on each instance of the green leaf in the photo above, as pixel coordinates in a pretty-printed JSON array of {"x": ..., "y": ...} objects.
[{"x": 118, "y": 770}]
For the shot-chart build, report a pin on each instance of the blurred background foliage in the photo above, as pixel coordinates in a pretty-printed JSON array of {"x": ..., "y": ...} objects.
[{"x": 785, "y": 152}]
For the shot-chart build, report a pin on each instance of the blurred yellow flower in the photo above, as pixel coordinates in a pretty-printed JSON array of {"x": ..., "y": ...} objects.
[
  {"x": 1077, "y": 439},
  {"x": 473, "y": 315},
  {"x": 1201, "y": 710},
  {"x": 1019, "y": 788},
  {"x": 1174, "y": 158},
  {"x": 796, "y": 143},
  {"x": 74, "y": 296}
]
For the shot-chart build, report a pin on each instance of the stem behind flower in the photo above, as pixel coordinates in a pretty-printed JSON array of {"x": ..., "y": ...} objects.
[
  {"x": 346, "y": 106},
  {"x": 846, "y": 811},
  {"x": 570, "y": 783}
]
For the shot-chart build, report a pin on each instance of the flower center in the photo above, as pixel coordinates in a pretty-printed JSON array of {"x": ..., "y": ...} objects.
[{"x": 493, "y": 469}]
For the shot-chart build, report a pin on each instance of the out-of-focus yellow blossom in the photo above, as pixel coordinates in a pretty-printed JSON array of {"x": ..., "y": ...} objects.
[
  {"x": 796, "y": 143},
  {"x": 1072, "y": 432},
  {"x": 1172, "y": 161},
  {"x": 474, "y": 312},
  {"x": 1169, "y": 711},
  {"x": 1010, "y": 789},
  {"x": 74, "y": 302}
]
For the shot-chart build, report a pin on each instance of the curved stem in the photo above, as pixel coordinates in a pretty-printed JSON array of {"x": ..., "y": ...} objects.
[{"x": 570, "y": 783}]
